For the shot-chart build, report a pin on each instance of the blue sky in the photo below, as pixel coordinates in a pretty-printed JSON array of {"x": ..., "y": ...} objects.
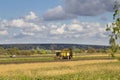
[
  {"x": 55, "y": 21},
  {"x": 17, "y": 8}
]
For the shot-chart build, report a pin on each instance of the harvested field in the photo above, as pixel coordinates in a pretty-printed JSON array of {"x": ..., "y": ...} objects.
[{"x": 71, "y": 70}]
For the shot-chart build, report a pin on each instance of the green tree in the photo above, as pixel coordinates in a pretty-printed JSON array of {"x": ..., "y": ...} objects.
[
  {"x": 91, "y": 50},
  {"x": 13, "y": 51},
  {"x": 52, "y": 47},
  {"x": 114, "y": 29},
  {"x": 100, "y": 50},
  {"x": 77, "y": 50},
  {"x": 34, "y": 51},
  {"x": 108, "y": 50},
  {"x": 2, "y": 51},
  {"x": 26, "y": 52}
]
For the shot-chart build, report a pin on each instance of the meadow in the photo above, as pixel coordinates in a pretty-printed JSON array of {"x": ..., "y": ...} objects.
[
  {"x": 51, "y": 58},
  {"x": 104, "y": 69}
]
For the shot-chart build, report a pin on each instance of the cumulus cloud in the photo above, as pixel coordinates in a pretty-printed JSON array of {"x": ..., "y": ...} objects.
[
  {"x": 31, "y": 16},
  {"x": 27, "y": 29},
  {"x": 75, "y": 27},
  {"x": 21, "y": 27},
  {"x": 74, "y": 8},
  {"x": 17, "y": 23},
  {"x": 57, "y": 30},
  {"x": 88, "y": 7},
  {"x": 57, "y": 13},
  {"x": 3, "y": 32},
  {"x": 27, "y": 25},
  {"x": 78, "y": 29},
  {"x": 3, "y": 29},
  {"x": 22, "y": 34}
]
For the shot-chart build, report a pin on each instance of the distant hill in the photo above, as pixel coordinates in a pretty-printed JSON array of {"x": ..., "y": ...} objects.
[{"x": 50, "y": 46}]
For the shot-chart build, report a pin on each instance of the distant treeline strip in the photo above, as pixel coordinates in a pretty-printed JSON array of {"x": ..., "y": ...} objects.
[{"x": 51, "y": 46}]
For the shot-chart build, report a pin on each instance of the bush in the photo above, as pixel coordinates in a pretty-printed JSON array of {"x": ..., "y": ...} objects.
[
  {"x": 12, "y": 51},
  {"x": 77, "y": 50},
  {"x": 108, "y": 50},
  {"x": 26, "y": 52},
  {"x": 100, "y": 51},
  {"x": 91, "y": 50},
  {"x": 40, "y": 51},
  {"x": 2, "y": 51}
]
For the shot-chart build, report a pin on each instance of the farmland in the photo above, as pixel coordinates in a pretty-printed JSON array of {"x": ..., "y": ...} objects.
[
  {"x": 51, "y": 58},
  {"x": 82, "y": 67}
]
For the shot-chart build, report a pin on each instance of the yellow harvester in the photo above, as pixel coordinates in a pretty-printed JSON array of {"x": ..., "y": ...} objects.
[{"x": 65, "y": 53}]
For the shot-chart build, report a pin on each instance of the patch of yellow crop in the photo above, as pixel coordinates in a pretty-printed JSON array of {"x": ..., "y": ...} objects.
[{"x": 53, "y": 68}]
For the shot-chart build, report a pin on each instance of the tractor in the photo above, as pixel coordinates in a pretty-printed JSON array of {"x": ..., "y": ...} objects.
[{"x": 65, "y": 53}]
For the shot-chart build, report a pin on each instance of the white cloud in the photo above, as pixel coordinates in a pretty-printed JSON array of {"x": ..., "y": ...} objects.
[
  {"x": 28, "y": 33},
  {"x": 28, "y": 25},
  {"x": 21, "y": 29},
  {"x": 57, "y": 13},
  {"x": 4, "y": 32},
  {"x": 75, "y": 27},
  {"x": 17, "y": 23},
  {"x": 58, "y": 30},
  {"x": 31, "y": 16},
  {"x": 3, "y": 29},
  {"x": 78, "y": 29}
]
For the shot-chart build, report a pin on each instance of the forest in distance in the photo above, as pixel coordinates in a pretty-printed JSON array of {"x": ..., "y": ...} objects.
[
  {"x": 51, "y": 46},
  {"x": 31, "y": 49}
]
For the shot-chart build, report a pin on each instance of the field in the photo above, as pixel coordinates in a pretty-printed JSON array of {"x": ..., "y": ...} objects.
[
  {"x": 51, "y": 58},
  {"x": 89, "y": 67}
]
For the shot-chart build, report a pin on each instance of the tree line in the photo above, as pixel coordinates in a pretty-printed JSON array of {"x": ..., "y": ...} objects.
[
  {"x": 92, "y": 50},
  {"x": 16, "y": 51}
]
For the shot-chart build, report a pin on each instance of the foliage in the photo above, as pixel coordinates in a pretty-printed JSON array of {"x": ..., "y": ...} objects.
[
  {"x": 91, "y": 50},
  {"x": 78, "y": 50},
  {"x": 108, "y": 50},
  {"x": 12, "y": 51},
  {"x": 25, "y": 52},
  {"x": 114, "y": 29},
  {"x": 100, "y": 50},
  {"x": 48, "y": 52},
  {"x": 41, "y": 51},
  {"x": 2, "y": 51},
  {"x": 52, "y": 47}
]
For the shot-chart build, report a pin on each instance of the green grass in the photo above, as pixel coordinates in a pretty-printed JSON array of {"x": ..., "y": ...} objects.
[
  {"x": 51, "y": 57},
  {"x": 23, "y": 60}
]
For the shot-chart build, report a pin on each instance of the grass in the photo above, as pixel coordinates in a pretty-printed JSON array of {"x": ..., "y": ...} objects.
[
  {"x": 25, "y": 60},
  {"x": 51, "y": 57},
  {"x": 72, "y": 70},
  {"x": 93, "y": 69}
]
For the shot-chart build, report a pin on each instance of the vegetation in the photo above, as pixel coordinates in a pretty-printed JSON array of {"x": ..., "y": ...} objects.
[
  {"x": 77, "y": 50},
  {"x": 16, "y": 51},
  {"x": 91, "y": 50},
  {"x": 15, "y": 55},
  {"x": 51, "y": 58},
  {"x": 114, "y": 29},
  {"x": 40, "y": 51},
  {"x": 73, "y": 70}
]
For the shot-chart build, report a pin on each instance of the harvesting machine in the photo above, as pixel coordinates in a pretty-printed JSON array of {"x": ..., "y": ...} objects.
[{"x": 65, "y": 53}]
